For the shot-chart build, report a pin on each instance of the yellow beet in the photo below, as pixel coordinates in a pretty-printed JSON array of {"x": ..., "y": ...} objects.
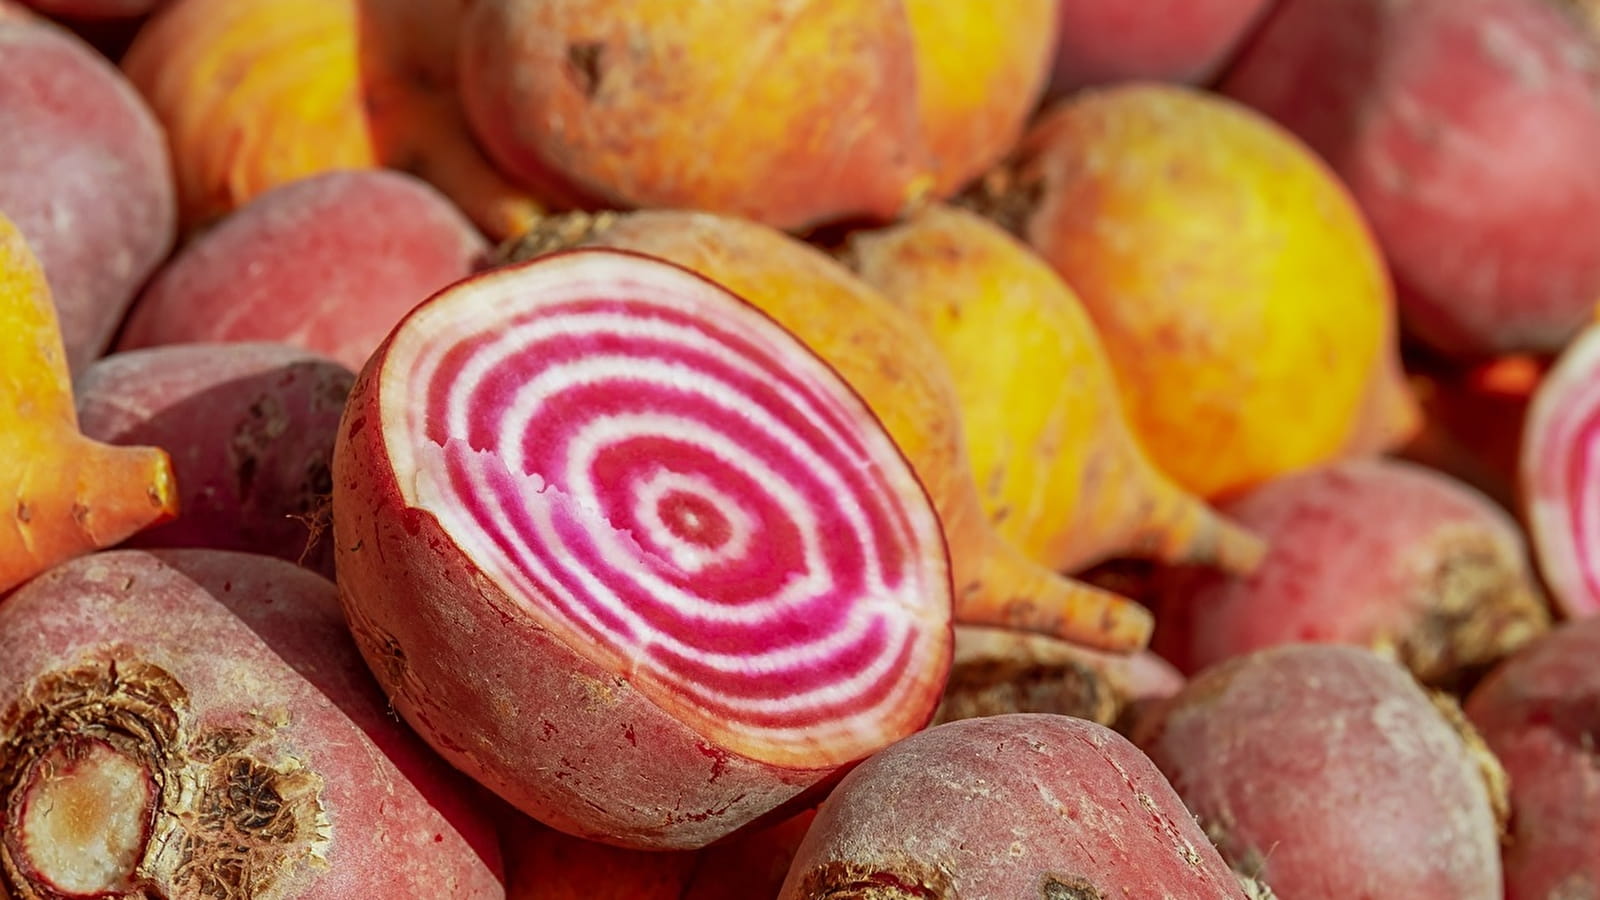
[
  {"x": 981, "y": 67},
  {"x": 1238, "y": 291},
  {"x": 1059, "y": 471},
  {"x": 61, "y": 494},
  {"x": 257, "y": 93},
  {"x": 883, "y": 354}
]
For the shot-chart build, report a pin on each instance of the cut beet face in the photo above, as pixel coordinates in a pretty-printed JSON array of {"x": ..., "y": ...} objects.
[
  {"x": 626, "y": 551},
  {"x": 1559, "y": 478}
]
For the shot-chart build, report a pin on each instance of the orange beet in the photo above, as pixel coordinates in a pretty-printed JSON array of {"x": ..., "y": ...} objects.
[
  {"x": 63, "y": 495},
  {"x": 790, "y": 114},
  {"x": 256, "y": 93}
]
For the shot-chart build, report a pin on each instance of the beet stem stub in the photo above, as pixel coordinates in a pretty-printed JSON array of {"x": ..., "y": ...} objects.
[
  {"x": 676, "y": 487},
  {"x": 83, "y": 818}
]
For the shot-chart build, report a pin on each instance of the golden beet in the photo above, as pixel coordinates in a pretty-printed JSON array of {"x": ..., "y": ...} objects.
[
  {"x": 1060, "y": 473},
  {"x": 1236, "y": 287}
]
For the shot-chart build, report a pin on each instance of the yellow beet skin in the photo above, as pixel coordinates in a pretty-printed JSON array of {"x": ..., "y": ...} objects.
[
  {"x": 1238, "y": 292},
  {"x": 1059, "y": 471},
  {"x": 881, "y": 352},
  {"x": 62, "y": 494},
  {"x": 257, "y": 93},
  {"x": 981, "y": 68}
]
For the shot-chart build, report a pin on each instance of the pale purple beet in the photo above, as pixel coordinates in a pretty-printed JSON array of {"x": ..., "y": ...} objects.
[
  {"x": 1030, "y": 806},
  {"x": 1558, "y": 475},
  {"x": 85, "y": 175},
  {"x": 1327, "y": 771},
  {"x": 270, "y": 764},
  {"x": 1540, "y": 712},
  {"x": 330, "y": 262},
  {"x": 250, "y": 429},
  {"x": 626, "y": 551},
  {"x": 1468, "y": 132},
  {"x": 1380, "y": 553}
]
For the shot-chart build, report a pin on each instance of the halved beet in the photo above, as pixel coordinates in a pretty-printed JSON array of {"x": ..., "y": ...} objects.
[
  {"x": 626, "y": 551},
  {"x": 1560, "y": 485}
]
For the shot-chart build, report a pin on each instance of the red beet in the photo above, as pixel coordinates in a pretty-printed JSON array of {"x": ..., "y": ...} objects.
[
  {"x": 328, "y": 263},
  {"x": 250, "y": 429},
  {"x": 1328, "y": 772},
  {"x": 1539, "y": 713},
  {"x": 1014, "y": 806},
  {"x": 1380, "y": 553},
  {"x": 84, "y": 174},
  {"x": 1107, "y": 41},
  {"x": 627, "y": 552},
  {"x": 1468, "y": 131}
]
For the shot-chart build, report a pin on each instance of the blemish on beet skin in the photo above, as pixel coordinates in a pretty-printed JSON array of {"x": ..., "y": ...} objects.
[
  {"x": 627, "y": 732},
  {"x": 911, "y": 880},
  {"x": 719, "y": 759},
  {"x": 1073, "y": 889},
  {"x": 585, "y": 65}
]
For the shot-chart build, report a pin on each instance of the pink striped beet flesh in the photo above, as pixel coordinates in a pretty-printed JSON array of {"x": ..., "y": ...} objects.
[
  {"x": 1560, "y": 482},
  {"x": 626, "y": 551}
]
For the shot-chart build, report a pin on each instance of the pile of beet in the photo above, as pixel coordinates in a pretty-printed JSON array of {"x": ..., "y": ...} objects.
[{"x": 873, "y": 450}]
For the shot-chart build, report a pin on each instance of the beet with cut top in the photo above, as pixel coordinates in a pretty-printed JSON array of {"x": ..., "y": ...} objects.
[{"x": 197, "y": 723}]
